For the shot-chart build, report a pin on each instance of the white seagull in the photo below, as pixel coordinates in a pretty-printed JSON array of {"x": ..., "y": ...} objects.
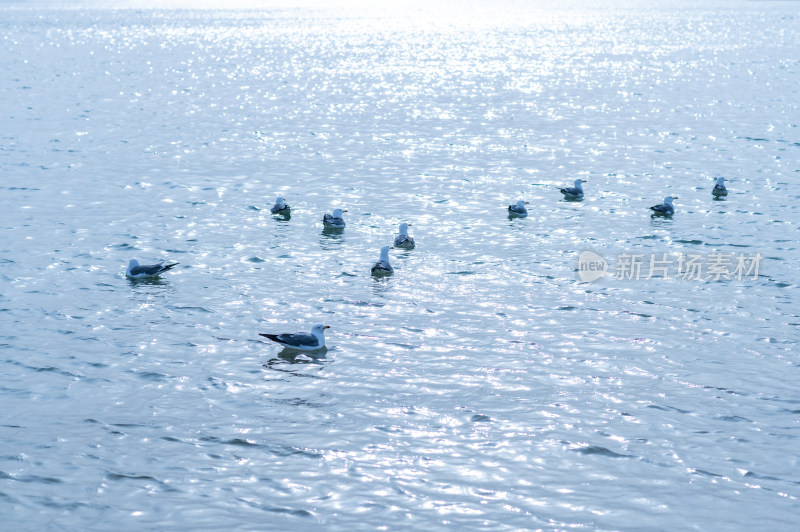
[
  {"x": 137, "y": 271},
  {"x": 301, "y": 341},
  {"x": 280, "y": 207},
  {"x": 666, "y": 208},
  {"x": 403, "y": 240},
  {"x": 335, "y": 219},
  {"x": 575, "y": 192},
  {"x": 382, "y": 267},
  {"x": 518, "y": 209},
  {"x": 719, "y": 188}
]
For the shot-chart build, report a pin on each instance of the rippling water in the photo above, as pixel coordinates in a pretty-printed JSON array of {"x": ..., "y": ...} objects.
[{"x": 483, "y": 386}]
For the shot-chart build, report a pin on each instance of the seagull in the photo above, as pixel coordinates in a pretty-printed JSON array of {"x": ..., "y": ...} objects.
[
  {"x": 666, "y": 208},
  {"x": 301, "y": 341},
  {"x": 403, "y": 240},
  {"x": 135, "y": 271},
  {"x": 280, "y": 207},
  {"x": 518, "y": 209},
  {"x": 575, "y": 192},
  {"x": 335, "y": 219},
  {"x": 719, "y": 188},
  {"x": 382, "y": 267}
]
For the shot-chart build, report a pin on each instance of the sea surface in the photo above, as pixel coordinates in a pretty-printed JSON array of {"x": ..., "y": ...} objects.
[{"x": 483, "y": 386}]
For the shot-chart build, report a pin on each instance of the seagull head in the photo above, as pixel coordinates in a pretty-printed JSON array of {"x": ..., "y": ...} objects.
[
  {"x": 668, "y": 200},
  {"x": 319, "y": 329},
  {"x": 279, "y": 201},
  {"x": 131, "y": 265},
  {"x": 578, "y": 183},
  {"x": 720, "y": 180},
  {"x": 520, "y": 204},
  {"x": 337, "y": 213},
  {"x": 385, "y": 254},
  {"x": 404, "y": 229}
]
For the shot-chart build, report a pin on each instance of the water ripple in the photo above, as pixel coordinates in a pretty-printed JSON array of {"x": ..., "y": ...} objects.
[{"x": 483, "y": 385}]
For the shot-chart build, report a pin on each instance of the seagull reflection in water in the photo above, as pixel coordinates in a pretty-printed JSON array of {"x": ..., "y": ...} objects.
[{"x": 296, "y": 357}]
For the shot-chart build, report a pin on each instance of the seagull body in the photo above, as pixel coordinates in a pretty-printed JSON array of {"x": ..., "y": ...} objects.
[
  {"x": 575, "y": 192},
  {"x": 382, "y": 267},
  {"x": 280, "y": 207},
  {"x": 335, "y": 219},
  {"x": 403, "y": 240},
  {"x": 137, "y": 271},
  {"x": 518, "y": 209},
  {"x": 664, "y": 209},
  {"x": 719, "y": 188},
  {"x": 301, "y": 341}
]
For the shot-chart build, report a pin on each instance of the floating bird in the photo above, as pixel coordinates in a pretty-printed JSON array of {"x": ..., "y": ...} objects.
[
  {"x": 335, "y": 219},
  {"x": 382, "y": 267},
  {"x": 301, "y": 341},
  {"x": 135, "y": 271},
  {"x": 666, "y": 208},
  {"x": 575, "y": 192},
  {"x": 719, "y": 188},
  {"x": 403, "y": 240},
  {"x": 280, "y": 207},
  {"x": 518, "y": 209}
]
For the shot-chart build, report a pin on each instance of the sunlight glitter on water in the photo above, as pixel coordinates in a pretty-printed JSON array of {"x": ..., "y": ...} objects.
[{"x": 482, "y": 384}]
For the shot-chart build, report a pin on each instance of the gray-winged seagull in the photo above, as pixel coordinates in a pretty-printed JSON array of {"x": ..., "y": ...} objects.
[
  {"x": 518, "y": 209},
  {"x": 403, "y": 240},
  {"x": 280, "y": 207},
  {"x": 301, "y": 341},
  {"x": 666, "y": 208},
  {"x": 719, "y": 188},
  {"x": 137, "y": 271},
  {"x": 574, "y": 192},
  {"x": 335, "y": 219},
  {"x": 382, "y": 267}
]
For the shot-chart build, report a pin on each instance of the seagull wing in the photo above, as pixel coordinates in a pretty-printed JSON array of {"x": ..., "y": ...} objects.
[
  {"x": 296, "y": 340},
  {"x": 151, "y": 269},
  {"x": 382, "y": 267},
  {"x": 332, "y": 220},
  {"x": 403, "y": 241}
]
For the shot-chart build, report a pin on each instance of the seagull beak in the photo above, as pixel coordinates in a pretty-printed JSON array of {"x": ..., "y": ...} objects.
[
  {"x": 584, "y": 181},
  {"x": 326, "y": 327},
  {"x": 674, "y": 197},
  {"x": 391, "y": 247},
  {"x": 527, "y": 203},
  {"x": 344, "y": 210}
]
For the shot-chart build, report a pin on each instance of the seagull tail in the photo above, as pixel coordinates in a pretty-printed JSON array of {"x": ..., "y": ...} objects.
[
  {"x": 169, "y": 266},
  {"x": 273, "y": 337}
]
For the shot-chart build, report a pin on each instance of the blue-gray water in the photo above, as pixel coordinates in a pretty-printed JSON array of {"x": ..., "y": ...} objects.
[{"x": 483, "y": 386}]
